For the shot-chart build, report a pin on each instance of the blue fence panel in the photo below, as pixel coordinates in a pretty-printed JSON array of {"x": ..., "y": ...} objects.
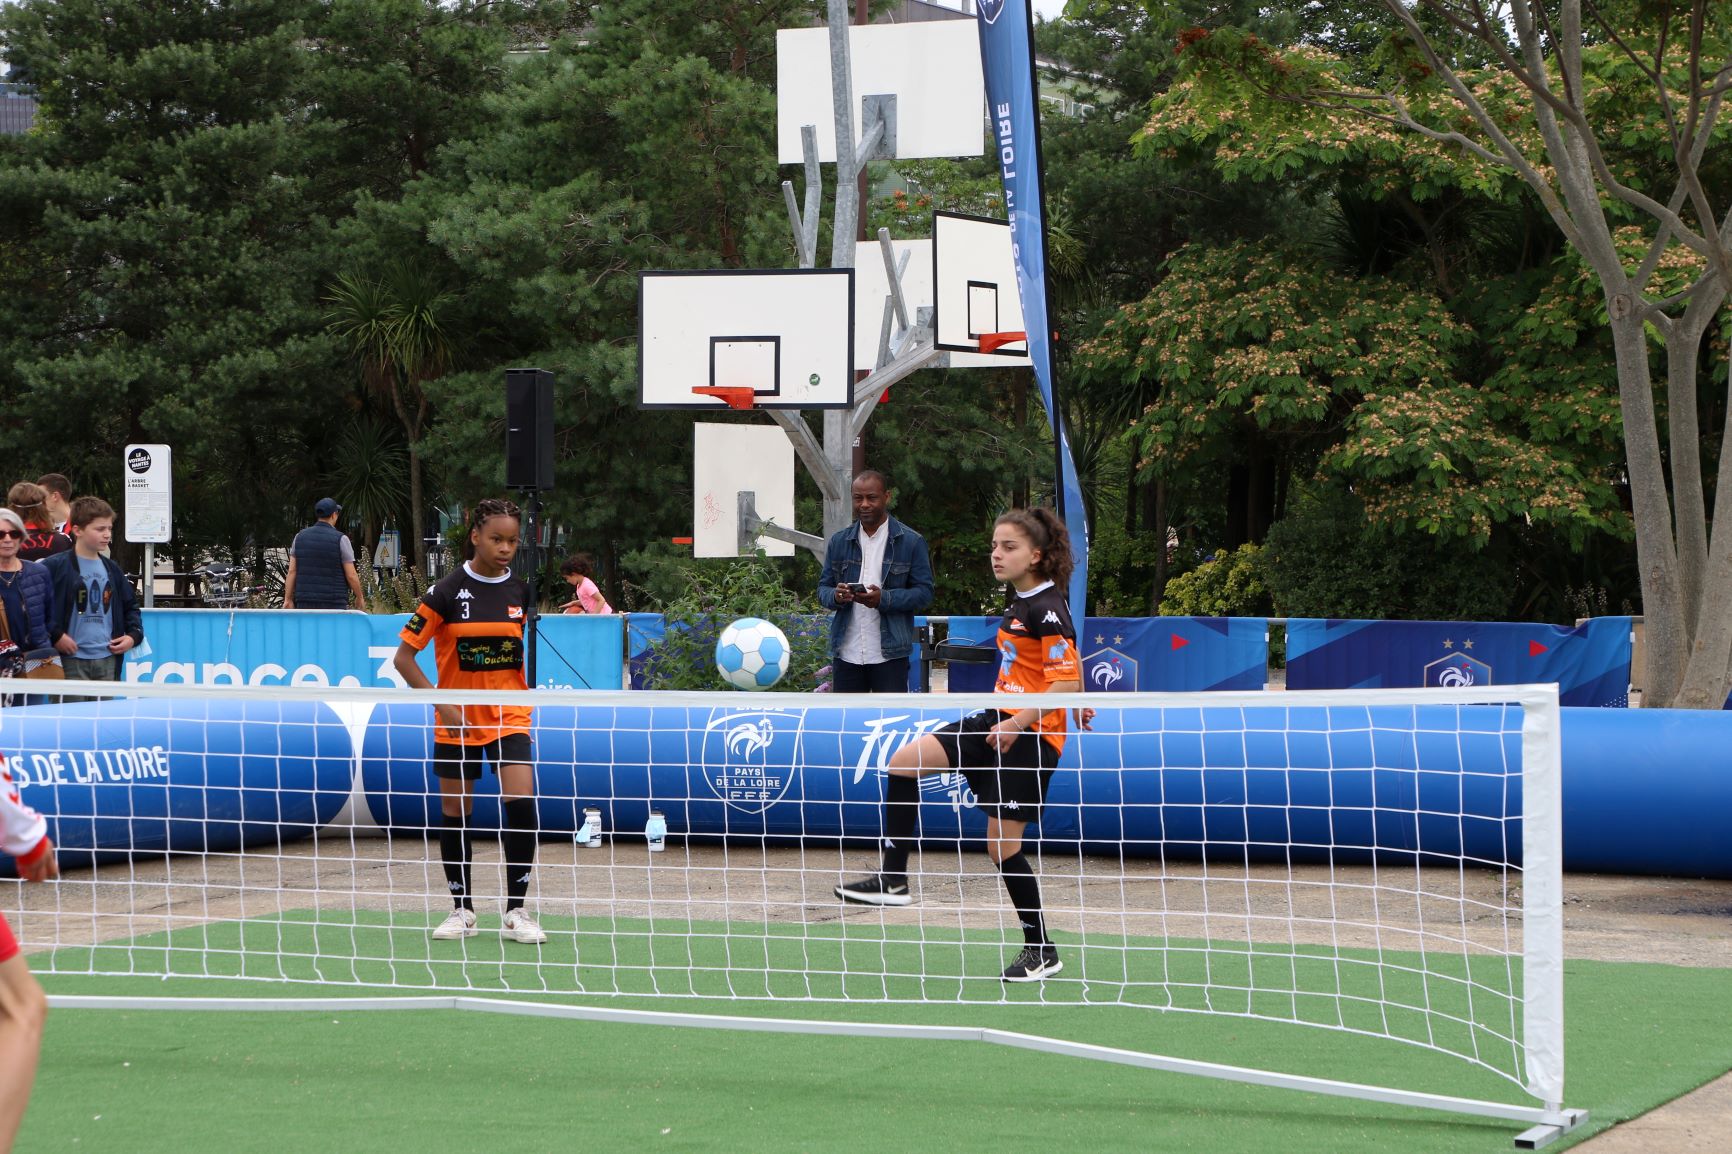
[
  {"x": 1590, "y": 663},
  {"x": 1150, "y": 654},
  {"x": 319, "y": 647}
]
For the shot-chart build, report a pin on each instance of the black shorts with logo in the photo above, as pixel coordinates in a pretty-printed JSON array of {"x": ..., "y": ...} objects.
[
  {"x": 1009, "y": 785},
  {"x": 453, "y": 760}
]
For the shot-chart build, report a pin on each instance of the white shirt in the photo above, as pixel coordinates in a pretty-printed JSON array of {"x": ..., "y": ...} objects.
[{"x": 862, "y": 644}]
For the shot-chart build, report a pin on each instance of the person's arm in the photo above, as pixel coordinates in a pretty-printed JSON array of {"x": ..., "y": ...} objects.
[
  {"x": 59, "y": 625},
  {"x": 131, "y": 617},
  {"x": 827, "y": 593},
  {"x": 354, "y": 580},
  {"x": 289, "y": 585},
  {"x": 408, "y": 666},
  {"x": 24, "y": 833}
]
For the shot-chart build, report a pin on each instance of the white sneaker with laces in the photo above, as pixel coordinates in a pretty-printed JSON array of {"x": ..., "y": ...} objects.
[
  {"x": 461, "y": 924},
  {"x": 519, "y": 926}
]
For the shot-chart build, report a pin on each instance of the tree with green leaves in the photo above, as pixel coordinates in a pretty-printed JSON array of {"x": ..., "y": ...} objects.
[{"x": 1609, "y": 117}]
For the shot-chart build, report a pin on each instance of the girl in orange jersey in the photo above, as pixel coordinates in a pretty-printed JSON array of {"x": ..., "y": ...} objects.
[
  {"x": 1007, "y": 755},
  {"x": 474, "y": 618}
]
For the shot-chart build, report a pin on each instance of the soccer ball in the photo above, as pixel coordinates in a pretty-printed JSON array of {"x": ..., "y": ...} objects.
[{"x": 752, "y": 654}]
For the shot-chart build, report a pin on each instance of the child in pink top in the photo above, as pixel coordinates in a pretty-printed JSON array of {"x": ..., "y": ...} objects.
[{"x": 586, "y": 597}]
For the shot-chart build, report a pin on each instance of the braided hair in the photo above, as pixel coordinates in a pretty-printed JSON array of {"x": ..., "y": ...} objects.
[
  {"x": 484, "y": 510},
  {"x": 1047, "y": 533}
]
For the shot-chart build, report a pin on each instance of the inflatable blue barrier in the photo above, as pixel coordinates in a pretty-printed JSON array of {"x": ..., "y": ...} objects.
[
  {"x": 1644, "y": 791},
  {"x": 118, "y": 778}
]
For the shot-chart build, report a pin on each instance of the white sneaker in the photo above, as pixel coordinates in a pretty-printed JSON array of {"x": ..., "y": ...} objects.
[
  {"x": 461, "y": 924},
  {"x": 519, "y": 926}
]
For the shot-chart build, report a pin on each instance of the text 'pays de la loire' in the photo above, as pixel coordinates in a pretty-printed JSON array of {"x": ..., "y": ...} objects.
[{"x": 84, "y": 766}]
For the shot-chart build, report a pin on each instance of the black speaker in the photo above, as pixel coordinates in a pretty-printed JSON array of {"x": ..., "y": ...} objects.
[{"x": 529, "y": 429}]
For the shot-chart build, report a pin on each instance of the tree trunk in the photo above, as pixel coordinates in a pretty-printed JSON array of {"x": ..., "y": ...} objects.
[
  {"x": 1709, "y": 672},
  {"x": 1159, "y": 525},
  {"x": 1684, "y": 438},
  {"x": 1656, "y": 553},
  {"x": 417, "y": 513}
]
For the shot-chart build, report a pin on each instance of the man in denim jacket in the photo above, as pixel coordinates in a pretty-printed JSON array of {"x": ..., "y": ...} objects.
[{"x": 876, "y": 577}]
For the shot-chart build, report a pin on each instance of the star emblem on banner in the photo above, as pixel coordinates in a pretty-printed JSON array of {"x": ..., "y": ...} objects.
[
  {"x": 1467, "y": 645},
  {"x": 1100, "y": 639},
  {"x": 1448, "y": 644},
  {"x": 1118, "y": 639}
]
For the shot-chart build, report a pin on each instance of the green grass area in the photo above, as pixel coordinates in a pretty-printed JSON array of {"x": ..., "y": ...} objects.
[{"x": 1638, "y": 1035}]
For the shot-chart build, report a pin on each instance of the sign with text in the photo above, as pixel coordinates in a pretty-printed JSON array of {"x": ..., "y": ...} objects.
[{"x": 149, "y": 494}]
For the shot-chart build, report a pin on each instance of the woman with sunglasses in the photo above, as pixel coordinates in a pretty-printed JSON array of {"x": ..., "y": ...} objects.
[{"x": 26, "y": 591}]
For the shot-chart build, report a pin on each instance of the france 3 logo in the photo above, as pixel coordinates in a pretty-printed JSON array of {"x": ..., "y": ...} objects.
[
  {"x": 1457, "y": 671},
  {"x": 1110, "y": 671},
  {"x": 749, "y": 756}
]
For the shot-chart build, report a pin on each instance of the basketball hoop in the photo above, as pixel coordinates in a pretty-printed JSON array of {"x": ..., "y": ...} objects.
[
  {"x": 991, "y": 342},
  {"x": 731, "y": 396}
]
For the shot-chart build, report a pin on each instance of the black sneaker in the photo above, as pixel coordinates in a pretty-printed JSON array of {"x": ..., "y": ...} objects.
[
  {"x": 878, "y": 890},
  {"x": 1033, "y": 964}
]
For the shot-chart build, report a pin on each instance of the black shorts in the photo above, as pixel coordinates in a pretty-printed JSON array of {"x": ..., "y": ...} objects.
[
  {"x": 453, "y": 760},
  {"x": 1009, "y": 785}
]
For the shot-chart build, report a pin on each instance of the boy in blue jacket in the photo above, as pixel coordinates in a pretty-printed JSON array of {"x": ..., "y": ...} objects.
[{"x": 96, "y": 616}]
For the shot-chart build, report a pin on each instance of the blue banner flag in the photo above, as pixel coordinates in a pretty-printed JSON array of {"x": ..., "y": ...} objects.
[{"x": 1007, "y": 59}]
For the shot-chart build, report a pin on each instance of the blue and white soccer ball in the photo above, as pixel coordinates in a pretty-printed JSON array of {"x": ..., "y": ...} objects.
[{"x": 752, "y": 654}]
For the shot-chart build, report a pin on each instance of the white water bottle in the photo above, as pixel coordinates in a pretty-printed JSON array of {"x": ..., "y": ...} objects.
[
  {"x": 590, "y": 835},
  {"x": 655, "y": 831}
]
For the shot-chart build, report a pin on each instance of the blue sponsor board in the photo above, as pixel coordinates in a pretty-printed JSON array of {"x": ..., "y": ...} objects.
[
  {"x": 1590, "y": 663},
  {"x": 1147, "y": 654},
  {"x": 313, "y": 647}
]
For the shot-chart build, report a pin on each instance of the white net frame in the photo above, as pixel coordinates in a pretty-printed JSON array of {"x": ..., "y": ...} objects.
[{"x": 1459, "y": 955}]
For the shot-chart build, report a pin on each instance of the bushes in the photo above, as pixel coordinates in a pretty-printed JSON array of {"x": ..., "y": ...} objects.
[
  {"x": 1226, "y": 585},
  {"x": 1324, "y": 560},
  {"x": 717, "y": 593}
]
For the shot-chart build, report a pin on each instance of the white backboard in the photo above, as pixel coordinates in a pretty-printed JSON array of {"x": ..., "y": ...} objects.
[
  {"x": 727, "y": 459},
  {"x": 974, "y": 285},
  {"x": 787, "y": 334},
  {"x": 932, "y": 68},
  {"x": 872, "y": 289}
]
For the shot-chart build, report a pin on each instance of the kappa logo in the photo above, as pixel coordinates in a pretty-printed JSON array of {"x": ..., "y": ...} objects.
[
  {"x": 990, "y": 10},
  {"x": 750, "y": 756},
  {"x": 1011, "y": 805},
  {"x": 465, "y": 595},
  {"x": 1051, "y": 617}
]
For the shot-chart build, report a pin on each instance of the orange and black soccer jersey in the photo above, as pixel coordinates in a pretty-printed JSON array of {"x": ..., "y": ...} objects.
[
  {"x": 1037, "y": 646},
  {"x": 476, "y": 625}
]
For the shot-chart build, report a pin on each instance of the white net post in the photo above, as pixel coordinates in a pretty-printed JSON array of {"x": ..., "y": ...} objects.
[{"x": 1543, "y": 898}]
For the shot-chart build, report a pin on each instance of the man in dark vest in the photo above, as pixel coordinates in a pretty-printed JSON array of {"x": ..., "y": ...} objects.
[{"x": 322, "y": 565}]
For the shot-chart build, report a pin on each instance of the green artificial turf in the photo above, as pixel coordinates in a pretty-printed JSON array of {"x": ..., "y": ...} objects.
[{"x": 1637, "y": 1036}]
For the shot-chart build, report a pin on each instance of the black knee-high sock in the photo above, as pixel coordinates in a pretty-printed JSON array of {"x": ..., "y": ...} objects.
[
  {"x": 1024, "y": 890},
  {"x": 518, "y": 843},
  {"x": 455, "y": 853},
  {"x": 901, "y": 820}
]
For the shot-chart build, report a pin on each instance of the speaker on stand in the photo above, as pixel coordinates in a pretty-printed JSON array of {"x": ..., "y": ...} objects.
[{"x": 529, "y": 470}]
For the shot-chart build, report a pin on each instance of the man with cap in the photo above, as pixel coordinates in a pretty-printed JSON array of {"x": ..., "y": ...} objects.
[{"x": 322, "y": 565}]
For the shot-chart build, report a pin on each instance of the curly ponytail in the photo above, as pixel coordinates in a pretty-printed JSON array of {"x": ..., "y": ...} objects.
[
  {"x": 1047, "y": 533},
  {"x": 484, "y": 510}
]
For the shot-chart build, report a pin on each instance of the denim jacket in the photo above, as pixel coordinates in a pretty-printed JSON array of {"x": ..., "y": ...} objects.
[{"x": 906, "y": 585}]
